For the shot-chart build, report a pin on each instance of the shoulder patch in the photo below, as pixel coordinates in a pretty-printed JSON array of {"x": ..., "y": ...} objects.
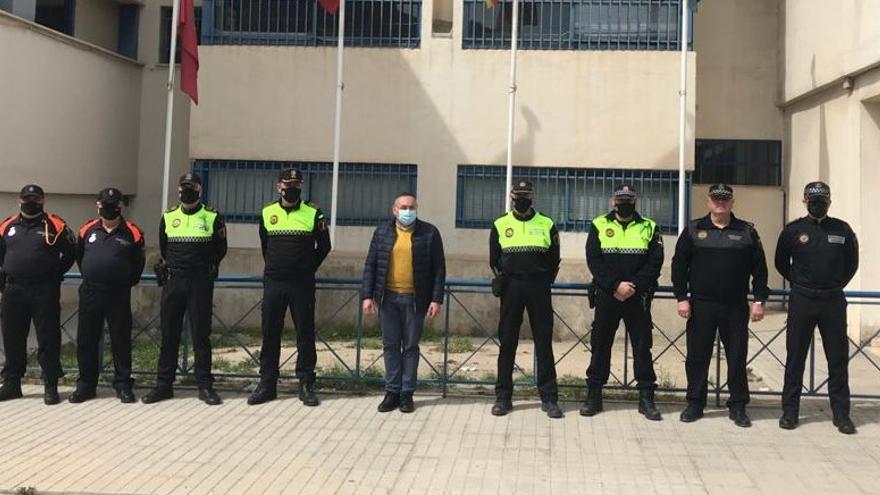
[
  {"x": 86, "y": 226},
  {"x": 57, "y": 222},
  {"x": 5, "y": 224}
]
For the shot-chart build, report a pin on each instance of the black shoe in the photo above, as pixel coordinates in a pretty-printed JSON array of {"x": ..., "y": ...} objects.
[
  {"x": 740, "y": 418},
  {"x": 406, "y": 402},
  {"x": 125, "y": 394},
  {"x": 646, "y": 405},
  {"x": 788, "y": 421},
  {"x": 81, "y": 395},
  {"x": 262, "y": 395},
  {"x": 502, "y": 407},
  {"x": 209, "y": 396},
  {"x": 50, "y": 394},
  {"x": 690, "y": 414},
  {"x": 390, "y": 402},
  {"x": 160, "y": 393},
  {"x": 307, "y": 393},
  {"x": 552, "y": 409},
  {"x": 593, "y": 401},
  {"x": 845, "y": 425},
  {"x": 11, "y": 389}
]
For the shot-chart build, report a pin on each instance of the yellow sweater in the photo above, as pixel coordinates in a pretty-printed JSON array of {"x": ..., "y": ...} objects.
[{"x": 400, "y": 264}]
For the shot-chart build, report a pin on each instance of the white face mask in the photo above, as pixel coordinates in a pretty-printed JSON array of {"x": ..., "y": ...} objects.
[{"x": 406, "y": 217}]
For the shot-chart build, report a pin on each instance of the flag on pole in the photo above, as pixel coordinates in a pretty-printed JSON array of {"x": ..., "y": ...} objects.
[
  {"x": 189, "y": 51},
  {"x": 492, "y": 3},
  {"x": 331, "y": 6}
]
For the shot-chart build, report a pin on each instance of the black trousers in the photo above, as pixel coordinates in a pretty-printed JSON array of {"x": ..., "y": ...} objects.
[
  {"x": 22, "y": 303},
  {"x": 534, "y": 297},
  {"x": 731, "y": 321},
  {"x": 297, "y": 296},
  {"x": 191, "y": 295},
  {"x": 96, "y": 305},
  {"x": 804, "y": 314},
  {"x": 636, "y": 317}
]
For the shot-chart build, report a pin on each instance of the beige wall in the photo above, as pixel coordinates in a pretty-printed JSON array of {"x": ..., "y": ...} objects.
[
  {"x": 440, "y": 106},
  {"x": 70, "y": 113},
  {"x": 737, "y": 76},
  {"x": 97, "y": 21},
  {"x": 826, "y": 40},
  {"x": 833, "y": 133}
]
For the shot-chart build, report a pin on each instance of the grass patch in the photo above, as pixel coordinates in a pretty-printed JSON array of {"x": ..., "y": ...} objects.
[
  {"x": 245, "y": 366},
  {"x": 458, "y": 345},
  {"x": 370, "y": 343}
]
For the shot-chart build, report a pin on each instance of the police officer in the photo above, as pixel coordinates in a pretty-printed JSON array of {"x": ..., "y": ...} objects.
[
  {"x": 36, "y": 249},
  {"x": 110, "y": 255},
  {"x": 295, "y": 241},
  {"x": 524, "y": 254},
  {"x": 819, "y": 255},
  {"x": 192, "y": 241},
  {"x": 714, "y": 258},
  {"x": 624, "y": 255}
]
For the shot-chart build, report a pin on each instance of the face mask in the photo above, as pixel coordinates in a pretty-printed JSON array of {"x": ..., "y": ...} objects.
[
  {"x": 291, "y": 194},
  {"x": 625, "y": 210},
  {"x": 188, "y": 195},
  {"x": 817, "y": 208},
  {"x": 406, "y": 217},
  {"x": 31, "y": 208},
  {"x": 522, "y": 205},
  {"x": 110, "y": 212}
]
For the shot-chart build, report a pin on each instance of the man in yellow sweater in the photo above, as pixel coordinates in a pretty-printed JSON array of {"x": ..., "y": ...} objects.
[{"x": 404, "y": 275}]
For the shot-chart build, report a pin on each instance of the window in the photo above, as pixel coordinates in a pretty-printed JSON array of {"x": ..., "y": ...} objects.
[
  {"x": 380, "y": 23},
  {"x": 743, "y": 162},
  {"x": 576, "y": 24},
  {"x": 128, "y": 30},
  {"x": 55, "y": 14},
  {"x": 165, "y": 34},
  {"x": 572, "y": 197},
  {"x": 239, "y": 188}
]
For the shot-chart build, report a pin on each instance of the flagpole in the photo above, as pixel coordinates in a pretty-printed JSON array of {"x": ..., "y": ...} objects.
[
  {"x": 337, "y": 130},
  {"x": 169, "y": 110},
  {"x": 511, "y": 108},
  {"x": 682, "y": 116}
]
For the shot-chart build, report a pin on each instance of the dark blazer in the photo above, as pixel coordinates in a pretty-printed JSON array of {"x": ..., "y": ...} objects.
[{"x": 429, "y": 263}]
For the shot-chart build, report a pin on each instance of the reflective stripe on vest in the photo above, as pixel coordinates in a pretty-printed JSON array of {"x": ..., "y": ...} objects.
[
  {"x": 614, "y": 239},
  {"x": 198, "y": 227},
  {"x": 300, "y": 222},
  {"x": 517, "y": 236}
]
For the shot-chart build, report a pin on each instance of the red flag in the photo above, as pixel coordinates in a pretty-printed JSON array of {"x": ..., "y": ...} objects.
[
  {"x": 189, "y": 51},
  {"x": 331, "y": 6}
]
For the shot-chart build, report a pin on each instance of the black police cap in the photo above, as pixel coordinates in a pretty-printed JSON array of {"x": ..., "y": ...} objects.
[
  {"x": 110, "y": 195},
  {"x": 817, "y": 189},
  {"x": 189, "y": 179},
  {"x": 522, "y": 187},
  {"x": 720, "y": 191},
  {"x": 625, "y": 191},
  {"x": 290, "y": 175},
  {"x": 31, "y": 191}
]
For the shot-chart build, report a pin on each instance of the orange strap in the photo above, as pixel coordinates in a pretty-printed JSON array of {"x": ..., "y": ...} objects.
[
  {"x": 136, "y": 233},
  {"x": 5, "y": 224},
  {"x": 85, "y": 228}
]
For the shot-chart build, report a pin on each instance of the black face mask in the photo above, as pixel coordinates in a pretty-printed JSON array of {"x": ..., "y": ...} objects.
[
  {"x": 31, "y": 208},
  {"x": 625, "y": 210},
  {"x": 189, "y": 195},
  {"x": 522, "y": 205},
  {"x": 291, "y": 194},
  {"x": 817, "y": 208},
  {"x": 110, "y": 212}
]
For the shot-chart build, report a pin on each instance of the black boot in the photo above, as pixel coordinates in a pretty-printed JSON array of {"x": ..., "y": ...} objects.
[
  {"x": 50, "y": 393},
  {"x": 844, "y": 425},
  {"x": 390, "y": 402},
  {"x": 739, "y": 417},
  {"x": 307, "y": 393},
  {"x": 263, "y": 394},
  {"x": 593, "y": 401},
  {"x": 551, "y": 407},
  {"x": 646, "y": 405},
  {"x": 209, "y": 396},
  {"x": 406, "y": 402},
  {"x": 160, "y": 393},
  {"x": 502, "y": 407},
  {"x": 125, "y": 394},
  {"x": 691, "y": 413},
  {"x": 788, "y": 421},
  {"x": 82, "y": 394},
  {"x": 11, "y": 389}
]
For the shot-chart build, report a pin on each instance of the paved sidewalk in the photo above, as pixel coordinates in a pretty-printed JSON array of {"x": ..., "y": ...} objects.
[{"x": 448, "y": 445}]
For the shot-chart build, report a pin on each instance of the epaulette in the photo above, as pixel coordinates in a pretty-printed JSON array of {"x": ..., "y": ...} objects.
[
  {"x": 136, "y": 233},
  {"x": 5, "y": 224},
  {"x": 86, "y": 226},
  {"x": 169, "y": 210}
]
